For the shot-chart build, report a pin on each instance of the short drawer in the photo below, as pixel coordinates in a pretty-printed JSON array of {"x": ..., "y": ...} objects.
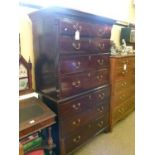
[
  {"x": 101, "y": 45},
  {"x": 69, "y": 45},
  {"x": 75, "y": 106},
  {"x": 103, "y": 31},
  {"x": 74, "y": 63},
  {"x": 99, "y": 61}
]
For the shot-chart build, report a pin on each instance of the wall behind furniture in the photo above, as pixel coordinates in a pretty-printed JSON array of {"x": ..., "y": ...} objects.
[
  {"x": 26, "y": 41},
  {"x": 117, "y": 29},
  {"x": 27, "y": 38}
]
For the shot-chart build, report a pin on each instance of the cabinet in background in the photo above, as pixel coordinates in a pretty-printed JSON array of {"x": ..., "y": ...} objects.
[
  {"x": 34, "y": 117},
  {"x": 122, "y": 78}
]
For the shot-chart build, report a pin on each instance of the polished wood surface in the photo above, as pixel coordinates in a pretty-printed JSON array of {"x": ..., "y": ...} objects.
[
  {"x": 34, "y": 116},
  {"x": 72, "y": 51},
  {"x": 122, "y": 78}
]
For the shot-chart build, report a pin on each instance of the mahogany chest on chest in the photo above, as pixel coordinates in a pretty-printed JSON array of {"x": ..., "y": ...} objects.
[{"x": 72, "y": 72}]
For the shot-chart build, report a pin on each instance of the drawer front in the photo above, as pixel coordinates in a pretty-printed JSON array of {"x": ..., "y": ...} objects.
[
  {"x": 75, "y": 122},
  {"x": 101, "y": 45},
  {"x": 70, "y": 45},
  {"x": 100, "y": 124},
  {"x": 123, "y": 110},
  {"x": 122, "y": 74},
  {"x": 100, "y": 78},
  {"x": 69, "y": 27},
  {"x": 123, "y": 84},
  {"x": 76, "y": 83},
  {"x": 78, "y": 138},
  {"x": 75, "y": 106},
  {"x": 101, "y": 95},
  {"x": 73, "y": 84},
  {"x": 121, "y": 96},
  {"x": 79, "y": 63},
  {"x": 83, "y": 103},
  {"x": 103, "y": 31},
  {"x": 101, "y": 109},
  {"x": 99, "y": 61},
  {"x": 73, "y": 63},
  {"x": 125, "y": 62}
]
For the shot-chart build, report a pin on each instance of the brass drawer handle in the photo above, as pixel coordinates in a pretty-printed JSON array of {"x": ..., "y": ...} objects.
[
  {"x": 101, "y": 46},
  {"x": 124, "y": 72},
  {"x": 101, "y": 96},
  {"x": 101, "y": 109},
  {"x": 77, "y": 27},
  {"x": 89, "y": 126},
  {"x": 76, "y": 45},
  {"x": 100, "y": 32},
  {"x": 122, "y": 97},
  {"x": 76, "y": 106},
  {"x": 125, "y": 61},
  {"x": 77, "y": 64},
  {"x": 100, "y": 124},
  {"x": 76, "y": 84},
  {"x": 100, "y": 61},
  {"x": 77, "y": 139},
  {"x": 90, "y": 97},
  {"x": 121, "y": 110},
  {"x": 123, "y": 83},
  {"x": 77, "y": 122},
  {"x": 89, "y": 74},
  {"x": 99, "y": 77}
]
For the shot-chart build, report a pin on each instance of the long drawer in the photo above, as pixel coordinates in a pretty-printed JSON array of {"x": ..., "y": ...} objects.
[
  {"x": 80, "y": 137},
  {"x": 121, "y": 74},
  {"x": 76, "y": 121},
  {"x": 70, "y": 45},
  {"x": 79, "y": 63},
  {"x": 121, "y": 96},
  {"x": 129, "y": 61},
  {"x": 122, "y": 110},
  {"x": 73, "y": 84},
  {"x": 122, "y": 84},
  {"x": 82, "y": 103},
  {"x": 70, "y": 26}
]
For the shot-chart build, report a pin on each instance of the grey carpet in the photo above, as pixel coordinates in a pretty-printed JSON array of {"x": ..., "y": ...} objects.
[{"x": 121, "y": 141}]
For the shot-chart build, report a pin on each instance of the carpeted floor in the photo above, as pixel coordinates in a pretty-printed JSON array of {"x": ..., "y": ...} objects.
[{"x": 121, "y": 141}]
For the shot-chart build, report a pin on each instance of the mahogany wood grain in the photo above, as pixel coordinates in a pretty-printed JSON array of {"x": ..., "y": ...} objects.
[{"x": 72, "y": 73}]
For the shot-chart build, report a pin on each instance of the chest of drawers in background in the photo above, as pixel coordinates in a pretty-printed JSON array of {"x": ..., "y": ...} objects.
[
  {"x": 122, "y": 77},
  {"x": 72, "y": 72}
]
